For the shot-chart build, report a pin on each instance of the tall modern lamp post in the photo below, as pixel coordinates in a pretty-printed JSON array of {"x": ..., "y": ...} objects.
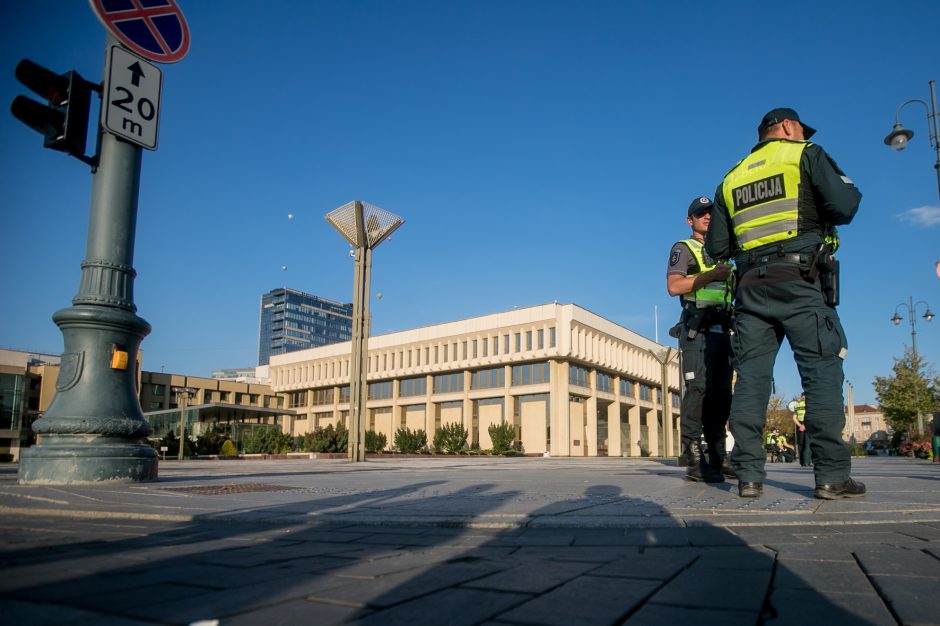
[
  {"x": 896, "y": 320},
  {"x": 899, "y": 136},
  {"x": 364, "y": 226},
  {"x": 663, "y": 358}
]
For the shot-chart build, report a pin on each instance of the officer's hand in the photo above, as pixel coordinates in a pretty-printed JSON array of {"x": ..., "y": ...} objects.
[{"x": 720, "y": 272}]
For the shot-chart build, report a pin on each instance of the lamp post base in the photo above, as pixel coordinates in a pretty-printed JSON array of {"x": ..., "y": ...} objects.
[
  {"x": 93, "y": 430},
  {"x": 76, "y": 459}
]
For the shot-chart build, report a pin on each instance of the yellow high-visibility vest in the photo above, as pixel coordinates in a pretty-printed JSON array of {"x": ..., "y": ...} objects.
[
  {"x": 717, "y": 293},
  {"x": 762, "y": 194}
]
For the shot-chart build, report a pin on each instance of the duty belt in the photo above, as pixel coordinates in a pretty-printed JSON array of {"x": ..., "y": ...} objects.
[{"x": 746, "y": 262}]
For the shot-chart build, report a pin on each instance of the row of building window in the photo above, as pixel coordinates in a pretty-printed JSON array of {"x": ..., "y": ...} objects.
[
  {"x": 526, "y": 374},
  {"x": 472, "y": 349}
]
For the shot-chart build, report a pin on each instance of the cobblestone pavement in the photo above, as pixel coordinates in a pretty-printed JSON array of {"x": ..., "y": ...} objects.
[{"x": 470, "y": 541}]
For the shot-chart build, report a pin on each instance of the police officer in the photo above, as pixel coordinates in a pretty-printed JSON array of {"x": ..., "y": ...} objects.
[
  {"x": 802, "y": 443},
  {"x": 774, "y": 213},
  {"x": 704, "y": 289},
  {"x": 770, "y": 444}
]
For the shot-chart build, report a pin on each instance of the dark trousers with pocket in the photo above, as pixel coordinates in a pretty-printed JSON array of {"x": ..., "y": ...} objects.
[
  {"x": 772, "y": 302},
  {"x": 706, "y": 375}
]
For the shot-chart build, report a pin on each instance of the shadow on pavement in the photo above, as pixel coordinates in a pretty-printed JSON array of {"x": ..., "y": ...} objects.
[{"x": 388, "y": 567}]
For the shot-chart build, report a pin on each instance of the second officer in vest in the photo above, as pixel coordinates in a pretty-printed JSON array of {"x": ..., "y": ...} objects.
[
  {"x": 704, "y": 288},
  {"x": 775, "y": 214}
]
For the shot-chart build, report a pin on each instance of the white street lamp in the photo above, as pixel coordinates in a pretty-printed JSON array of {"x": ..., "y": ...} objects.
[{"x": 900, "y": 136}]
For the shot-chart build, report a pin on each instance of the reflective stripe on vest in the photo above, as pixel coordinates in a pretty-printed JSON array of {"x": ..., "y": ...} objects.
[
  {"x": 762, "y": 194},
  {"x": 715, "y": 293}
]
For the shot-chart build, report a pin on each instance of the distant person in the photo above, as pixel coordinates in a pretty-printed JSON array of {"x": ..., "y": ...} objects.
[
  {"x": 770, "y": 445},
  {"x": 775, "y": 214},
  {"x": 785, "y": 450},
  {"x": 704, "y": 289},
  {"x": 802, "y": 441}
]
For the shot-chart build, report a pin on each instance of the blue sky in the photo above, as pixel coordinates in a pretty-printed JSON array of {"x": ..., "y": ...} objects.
[{"x": 538, "y": 151}]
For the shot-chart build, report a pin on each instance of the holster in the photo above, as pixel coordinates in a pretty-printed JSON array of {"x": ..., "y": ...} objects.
[{"x": 825, "y": 266}]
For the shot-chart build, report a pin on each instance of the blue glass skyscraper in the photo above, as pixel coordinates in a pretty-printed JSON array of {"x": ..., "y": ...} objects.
[{"x": 293, "y": 320}]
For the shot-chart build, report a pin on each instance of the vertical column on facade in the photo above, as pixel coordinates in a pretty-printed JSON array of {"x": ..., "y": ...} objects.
[
  {"x": 334, "y": 407},
  {"x": 591, "y": 443},
  {"x": 309, "y": 409},
  {"x": 428, "y": 407},
  {"x": 668, "y": 432},
  {"x": 614, "y": 439},
  {"x": 507, "y": 400},
  {"x": 467, "y": 410},
  {"x": 633, "y": 418},
  {"x": 652, "y": 425},
  {"x": 398, "y": 412},
  {"x": 558, "y": 398}
]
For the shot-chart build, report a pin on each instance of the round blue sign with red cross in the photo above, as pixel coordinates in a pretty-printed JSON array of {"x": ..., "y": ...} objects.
[{"x": 154, "y": 29}]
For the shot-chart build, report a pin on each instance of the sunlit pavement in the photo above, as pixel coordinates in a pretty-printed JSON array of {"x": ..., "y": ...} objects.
[{"x": 471, "y": 540}]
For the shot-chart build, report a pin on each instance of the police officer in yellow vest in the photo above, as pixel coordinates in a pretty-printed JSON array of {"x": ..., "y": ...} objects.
[
  {"x": 704, "y": 288},
  {"x": 774, "y": 213},
  {"x": 802, "y": 441}
]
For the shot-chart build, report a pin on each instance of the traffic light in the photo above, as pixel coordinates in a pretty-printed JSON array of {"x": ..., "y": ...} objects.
[{"x": 64, "y": 120}]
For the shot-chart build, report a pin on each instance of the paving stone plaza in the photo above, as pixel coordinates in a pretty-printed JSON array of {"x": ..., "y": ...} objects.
[{"x": 461, "y": 540}]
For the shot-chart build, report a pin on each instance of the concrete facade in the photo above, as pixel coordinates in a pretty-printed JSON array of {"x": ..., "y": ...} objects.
[
  {"x": 867, "y": 424},
  {"x": 570, "y": 381},
  {"x": 27, "y": 386}
]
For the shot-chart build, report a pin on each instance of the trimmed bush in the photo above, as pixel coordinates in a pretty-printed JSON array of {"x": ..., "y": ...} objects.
[
  {"x": 375, "y": 442},
  {"x": 327, "y": 439},
  {"x": 410, "y": 441},
  {"x": 450, "y": 438},
  {"x": 502, "y": 436},
  {"x": 210, "y": 442},
  {"x": 268, "y": 440},
  {"x": 857, "y": 449},
  {"x": 228, "y": 449}
]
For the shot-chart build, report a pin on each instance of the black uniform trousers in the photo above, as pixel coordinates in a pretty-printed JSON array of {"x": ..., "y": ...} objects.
[
  {"x": 772, "y": 302},
  {"x": 802, "y": 444},
  {"x": 706, "y": 372}
]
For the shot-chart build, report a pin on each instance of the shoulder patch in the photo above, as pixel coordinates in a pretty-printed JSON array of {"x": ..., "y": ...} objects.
[{"x": 673, "y": 258}]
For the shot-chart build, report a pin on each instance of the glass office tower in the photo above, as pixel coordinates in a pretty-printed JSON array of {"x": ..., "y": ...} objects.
[{"x": 293, "y": 320}]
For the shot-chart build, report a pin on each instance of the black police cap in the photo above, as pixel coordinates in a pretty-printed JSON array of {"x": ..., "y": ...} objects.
[
  {"x": 783, "y": 113},
  {"x": 700, "y": 205}
]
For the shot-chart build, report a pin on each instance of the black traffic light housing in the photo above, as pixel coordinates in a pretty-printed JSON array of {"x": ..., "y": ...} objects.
[{"x": 64, "y": 120}]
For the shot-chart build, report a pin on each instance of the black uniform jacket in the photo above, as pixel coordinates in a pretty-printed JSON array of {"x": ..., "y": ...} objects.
[{"x": 827, "y": 198}]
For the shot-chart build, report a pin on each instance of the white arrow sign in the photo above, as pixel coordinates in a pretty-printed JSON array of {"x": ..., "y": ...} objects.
[{"x": 132, "y": 98}]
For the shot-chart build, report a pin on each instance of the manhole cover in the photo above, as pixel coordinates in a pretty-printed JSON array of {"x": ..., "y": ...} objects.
[{"x": 221, "y": 490}]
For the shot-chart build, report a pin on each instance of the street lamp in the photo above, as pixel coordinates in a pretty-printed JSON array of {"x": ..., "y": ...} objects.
[
  {"x": 663, "y": 358},
  {"x": 899, "y": 136},
  {"x": 896, "y": 320},
  {"x": 364, "y": 226},
  {"x": 182, "y": 395}
]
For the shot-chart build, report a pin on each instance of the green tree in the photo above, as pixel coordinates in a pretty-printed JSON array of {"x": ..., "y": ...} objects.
[
  {"x": 210, "y": 442},
  {"x": 375, "y": 442},
  {"x": 267, "y": 440},
  {"x": 410, "y": 441},
  {"x": 327, "y": 439},
  {"x": 779, "y": 416},
  {"x": 913, "y": 385},
  {"x": 502, "y": 436},
  {"x": 450, "y": 438}
]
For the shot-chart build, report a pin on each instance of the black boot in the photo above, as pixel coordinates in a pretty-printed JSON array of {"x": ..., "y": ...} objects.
[
  {"x": 720, "y": 460},
  {"x": 698, "y": 469}
]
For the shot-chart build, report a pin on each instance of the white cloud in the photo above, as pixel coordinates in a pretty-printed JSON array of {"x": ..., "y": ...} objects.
[{"x": 922, "y": 216}]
